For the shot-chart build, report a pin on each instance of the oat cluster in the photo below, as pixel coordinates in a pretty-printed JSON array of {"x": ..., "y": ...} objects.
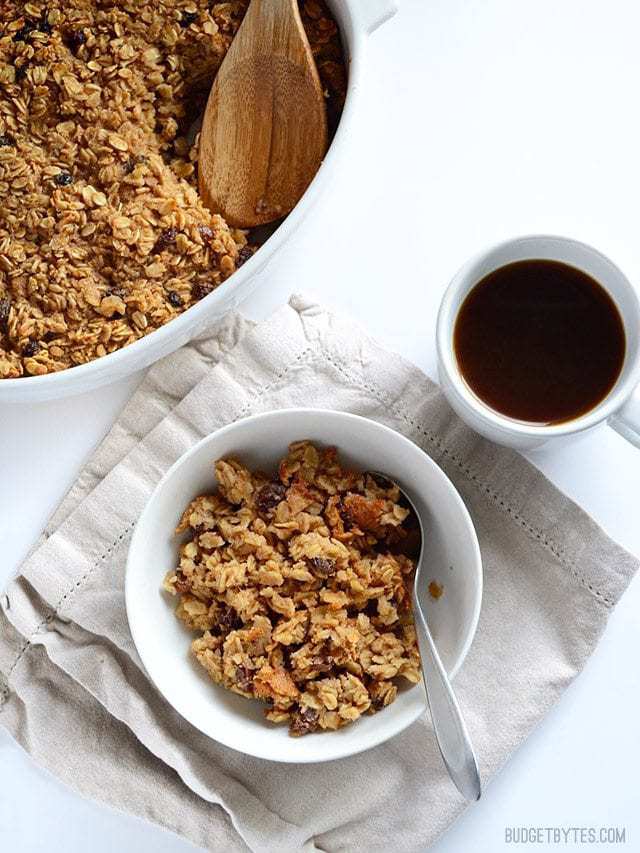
[
  {"x": 103, "y": 237},
  {"x": 300, "y": 588}
]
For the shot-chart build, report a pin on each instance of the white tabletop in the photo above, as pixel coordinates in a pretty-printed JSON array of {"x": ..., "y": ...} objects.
[{"x": 482, "y": 119}]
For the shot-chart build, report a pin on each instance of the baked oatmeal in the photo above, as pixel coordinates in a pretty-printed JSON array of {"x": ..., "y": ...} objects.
[
  {"x": 103, "y": 237},
  {"x": 299, "y": 587}
]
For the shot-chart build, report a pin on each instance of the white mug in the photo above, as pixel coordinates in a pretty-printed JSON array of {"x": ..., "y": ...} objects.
[{"x": 620, "y": 408}]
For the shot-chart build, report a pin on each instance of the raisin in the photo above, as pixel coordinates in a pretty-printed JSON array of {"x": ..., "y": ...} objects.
[
  {"x": 128, "y": 166},
  {"x": 371, "y": 609},
  {"x": 74, "y": 39},
  {"x": 183, "y": 584},
  {"x": 205, "y": 232},
  {"x": 43, "y": 24},
  {"x": 244, "y": 678},
  {"x": 199, "y": 291},
  {"x": 304, "y": 722},
  {"x": 269, "y": 497},
  {"x": 377, "y": 703},
  {"x": 166, "y": 239},
  {"x": 344, "y": 516},
  {"x": 31, "y": 348},
  {"x": 228, "y": 620},
  {"x": 49, "y": 336},
  {"x": 63, "y": 179},
  {"x": 188, "y": 18},
  {"x": 174, "y": 298},
  {"x": 243, "y": 256},
  {"x": 322, "y": 567},
  {"x": 287, "y": 663},
  {"x": 5, "y": 140},
  {"x": 5, "y": 307}
]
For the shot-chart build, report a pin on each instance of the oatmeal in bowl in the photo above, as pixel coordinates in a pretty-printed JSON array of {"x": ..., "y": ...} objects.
[
  {"x": 299, "y": 586},
  {"x": 277, "y": 620}
]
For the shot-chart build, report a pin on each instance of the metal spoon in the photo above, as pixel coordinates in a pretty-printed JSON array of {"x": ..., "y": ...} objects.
[{"x": 449, "y": 727}]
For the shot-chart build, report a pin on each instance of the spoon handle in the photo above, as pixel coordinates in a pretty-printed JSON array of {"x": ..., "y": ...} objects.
[{"x": 451, "y": 733}]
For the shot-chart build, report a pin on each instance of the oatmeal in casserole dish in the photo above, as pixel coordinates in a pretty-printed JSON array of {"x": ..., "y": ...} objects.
[
  {"x": 103, "y": 237},
  {"x": 299, "y": 587}
]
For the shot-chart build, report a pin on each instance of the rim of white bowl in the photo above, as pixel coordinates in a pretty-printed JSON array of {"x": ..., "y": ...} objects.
[{"x": 398, "y": 725}]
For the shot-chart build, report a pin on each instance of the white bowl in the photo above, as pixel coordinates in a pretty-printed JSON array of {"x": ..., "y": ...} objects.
[
  {"x": 451, "y": 551},
  {"x": 357, "y": 19}
]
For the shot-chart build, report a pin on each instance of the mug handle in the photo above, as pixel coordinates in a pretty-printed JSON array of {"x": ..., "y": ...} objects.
[{"x": 626, "y": 420}]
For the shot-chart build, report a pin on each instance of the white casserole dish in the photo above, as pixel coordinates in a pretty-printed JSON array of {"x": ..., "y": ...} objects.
[{"x": 357, "y": 20}]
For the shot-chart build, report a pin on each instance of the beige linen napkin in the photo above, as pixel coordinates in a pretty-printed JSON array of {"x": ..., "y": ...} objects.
[{"x": 73, "y": 691}]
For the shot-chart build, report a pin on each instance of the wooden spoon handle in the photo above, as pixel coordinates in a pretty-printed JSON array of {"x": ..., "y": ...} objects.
[{"x": 264, "y": 131}]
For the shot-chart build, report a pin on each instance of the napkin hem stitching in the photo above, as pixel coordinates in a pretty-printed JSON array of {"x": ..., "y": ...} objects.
[
  {"x": 67, "y": 595},
  {"x": 557, "y": 551}
]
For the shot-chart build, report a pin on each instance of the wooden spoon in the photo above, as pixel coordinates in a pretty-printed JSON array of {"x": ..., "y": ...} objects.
[{"x": 264, "y": 131}]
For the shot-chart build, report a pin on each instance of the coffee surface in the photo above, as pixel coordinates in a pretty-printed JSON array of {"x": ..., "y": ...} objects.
[{"x": 539, "y": 341}]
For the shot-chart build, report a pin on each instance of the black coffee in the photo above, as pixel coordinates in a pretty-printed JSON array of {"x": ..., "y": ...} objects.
[{"x": 539, "y": 341}]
